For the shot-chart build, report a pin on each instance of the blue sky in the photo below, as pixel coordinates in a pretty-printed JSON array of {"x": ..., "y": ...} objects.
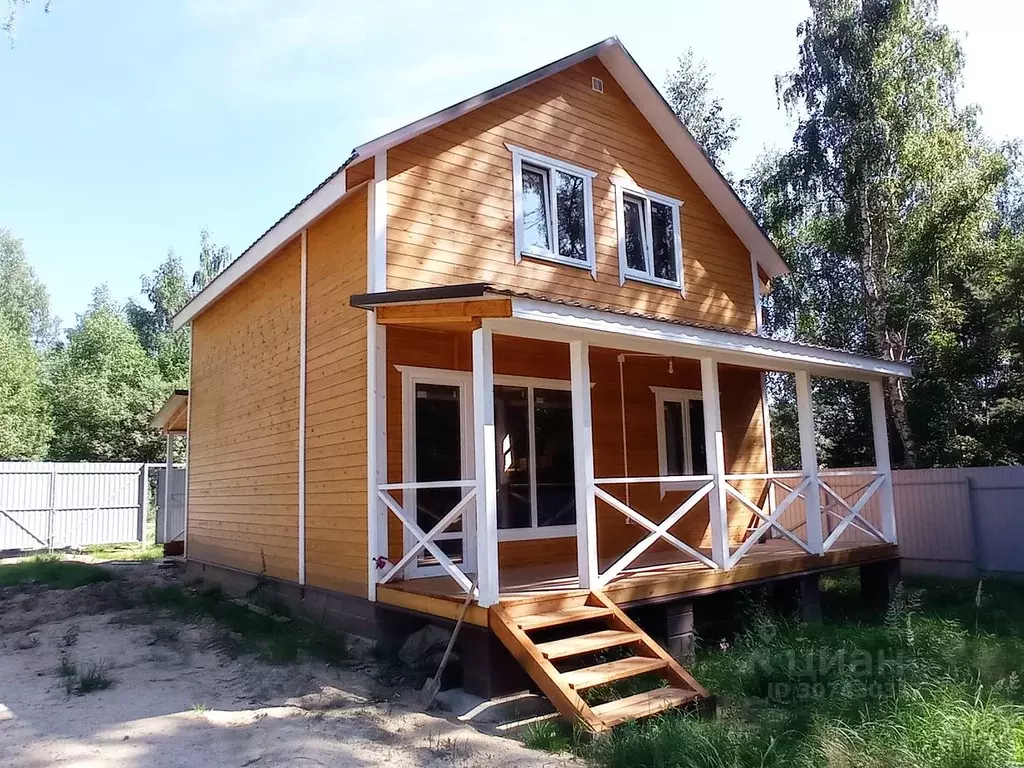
[{"x": 127, "y": 127}]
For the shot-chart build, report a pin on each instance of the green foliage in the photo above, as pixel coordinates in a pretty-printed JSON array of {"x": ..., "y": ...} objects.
[
  {"x": 212, "y": 260},
  {"x": 887, "y": 207},
  {"x": 24, "y": 301},
  {"x": 690, "y": 94},
  {"x": 25, "y": 429},
  {"x": 52, "y": 571},
  {"x": 104, "y": 388}
]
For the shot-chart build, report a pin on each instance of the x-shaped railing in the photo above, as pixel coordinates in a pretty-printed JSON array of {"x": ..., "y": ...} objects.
[
  {"x": 703, "y": 486},
  {"x": 425, "y": 540}
]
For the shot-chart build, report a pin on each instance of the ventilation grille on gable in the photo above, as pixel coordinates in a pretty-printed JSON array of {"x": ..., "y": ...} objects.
[{"x": 597, "y": 84}]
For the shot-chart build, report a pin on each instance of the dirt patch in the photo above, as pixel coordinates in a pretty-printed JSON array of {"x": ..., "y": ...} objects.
[{"x": 176, "y": 699}]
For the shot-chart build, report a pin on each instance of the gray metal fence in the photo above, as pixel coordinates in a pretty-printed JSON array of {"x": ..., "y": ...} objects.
[
  {"x": 47, "y": 505},
  {"x": 961, "y": 522},
  {"x": 170, "y": 518}
]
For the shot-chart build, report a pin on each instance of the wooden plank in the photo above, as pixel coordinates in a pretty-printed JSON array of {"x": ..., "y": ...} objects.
[
  {"x": 567, "y": 701},
  {"x": 642, "y": 705},
  {"x": 588, "y": 643},
  {"x": 443, "y": 311},
  {"x": 535, "y": 621},
  {"x": 674, "y": 671},
  {"x": 609, "y": 672},
  {"x": 427, "y": 604}
]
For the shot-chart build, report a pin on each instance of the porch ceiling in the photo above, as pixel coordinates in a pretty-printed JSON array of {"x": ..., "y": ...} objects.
[{"x": 467, "y": 306}]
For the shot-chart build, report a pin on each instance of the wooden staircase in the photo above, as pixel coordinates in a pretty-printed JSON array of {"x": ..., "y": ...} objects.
[{"x": 574, "y": 661}]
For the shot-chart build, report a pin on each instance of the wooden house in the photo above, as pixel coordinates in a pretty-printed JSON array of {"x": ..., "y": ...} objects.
[{"x": 513, "y": 351}]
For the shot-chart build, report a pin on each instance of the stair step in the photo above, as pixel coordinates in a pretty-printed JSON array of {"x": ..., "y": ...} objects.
[
  {"x": 564, "y": 616},
  {"x": 642, "y": 705},
  {"x": 599, "y": 674},
  {"x": 589, "y": 643}
]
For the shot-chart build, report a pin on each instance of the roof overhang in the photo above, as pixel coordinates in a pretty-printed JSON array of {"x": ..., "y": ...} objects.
[
  {"x": 172, "y": 418},
  {"x": 557, "y": 321}
]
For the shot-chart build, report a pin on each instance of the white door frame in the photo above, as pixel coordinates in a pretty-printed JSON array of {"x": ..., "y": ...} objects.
[{"x": 411, "y": 376}]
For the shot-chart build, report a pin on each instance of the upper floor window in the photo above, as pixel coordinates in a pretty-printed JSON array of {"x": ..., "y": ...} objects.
[
  {"x": 650, "y": 240},
  {"x": 554, "y": 209}
]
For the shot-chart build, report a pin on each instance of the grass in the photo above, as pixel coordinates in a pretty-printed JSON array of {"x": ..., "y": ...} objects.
[
  {"x": 135, "y": 552},
  {"x": 52, "y": 571},
  {"x": 934, "y": 683},
  {"x": 272, "y": 634},
  {"x": 78, "y": 681}
]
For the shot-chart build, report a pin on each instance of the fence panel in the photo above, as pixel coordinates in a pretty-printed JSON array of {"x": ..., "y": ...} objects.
[
  {"x": 52, "y": 505},
  {"x": 170, "y": 524}
]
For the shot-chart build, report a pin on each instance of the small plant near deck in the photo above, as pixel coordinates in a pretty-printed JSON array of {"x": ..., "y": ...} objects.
[
  {"x": 52, "y": 571},
  {"x": 199, "y": 708}
]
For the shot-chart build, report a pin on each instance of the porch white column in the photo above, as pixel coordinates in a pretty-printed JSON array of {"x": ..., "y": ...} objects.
[
  {"x": 809, "y": 462},
  {"x": 715, "y": 447},
  {"x": 883, "y": 464},
  {"x": 486, "y": 472},
  {"x": 376, "y": 447},
  {"x": 168, "y": 470},
  {"x": 583, "y": 459}
]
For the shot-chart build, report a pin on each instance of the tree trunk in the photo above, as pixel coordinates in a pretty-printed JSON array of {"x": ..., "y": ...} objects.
[{"x": 889, "y": 344}]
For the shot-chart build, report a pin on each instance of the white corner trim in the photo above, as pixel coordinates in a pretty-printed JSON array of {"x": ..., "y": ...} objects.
[
  {"x": 188, "y": 438},
  {"x": 302, "y": 410},
  {"x": 560, "y": 322},
  {"x": 549, "y": 164},
  {"x": 378, "y": 266},
  {"x": 623, "y": 185},
  {"x": 758, "y": 319}
]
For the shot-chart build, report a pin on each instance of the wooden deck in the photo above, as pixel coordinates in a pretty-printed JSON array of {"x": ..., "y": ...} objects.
[{"x": 657, "y": 577}]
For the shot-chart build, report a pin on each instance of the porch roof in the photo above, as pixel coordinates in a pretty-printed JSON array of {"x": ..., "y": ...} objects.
[
  {"x": 525, "y": 314},
  {"x": 172, "y": 418}
]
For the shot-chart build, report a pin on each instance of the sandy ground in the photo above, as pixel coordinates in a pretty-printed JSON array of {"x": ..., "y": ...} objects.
[{"x": 180, "y": 702}]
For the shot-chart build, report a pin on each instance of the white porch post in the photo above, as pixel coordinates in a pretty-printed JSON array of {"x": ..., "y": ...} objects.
[
  {"x": 883, "y": 464},
  {"x": 714, "y": 445},
  {"x": 168, "y": 469},
  {"x": 486, "y": 472},
  {"x": 583, "y": 455},
  {"x": 809, "y": 462}
]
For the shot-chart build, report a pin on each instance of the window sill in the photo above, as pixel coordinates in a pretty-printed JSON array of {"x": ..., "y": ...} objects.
[
  {"x": 556, "y": 259},
  {"x": 544, "y": 532},
  {"x": 639, "y": 277}
]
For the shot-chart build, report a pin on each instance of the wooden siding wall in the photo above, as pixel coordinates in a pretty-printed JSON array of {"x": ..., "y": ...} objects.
[
  {"x": 741, "y": 412},
  {"x": 243, "y": 475},
  {"x": 243, "y": 453},
  {"x": 336, "y": 532},
  {"x": 450, "y": 217}
]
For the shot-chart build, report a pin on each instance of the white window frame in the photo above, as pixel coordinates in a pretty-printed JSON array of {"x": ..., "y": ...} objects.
[
  {"x": 535, "y": 531},
  {"x": 549, "y": 165},
  {"x": 413, "y": 375},
  {"x": 625, "y": 187},
  {"x": 684, "y": 397}
]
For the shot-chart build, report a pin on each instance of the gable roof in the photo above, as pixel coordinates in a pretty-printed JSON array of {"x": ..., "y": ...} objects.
[{"x": 637, "y": 86}]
